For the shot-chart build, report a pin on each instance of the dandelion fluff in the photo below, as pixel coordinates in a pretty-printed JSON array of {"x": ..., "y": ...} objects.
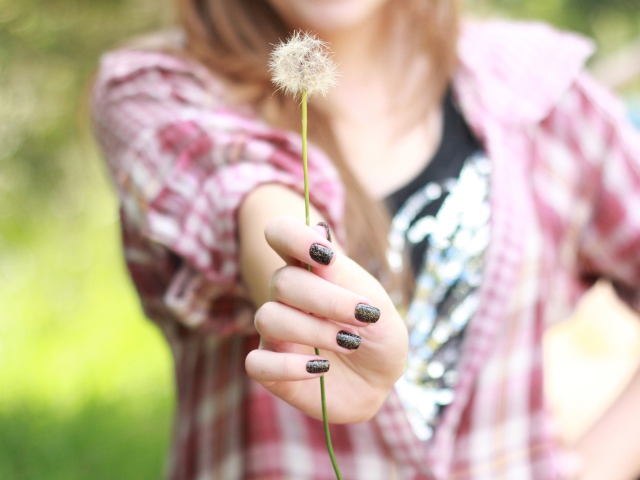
[{"x": 302, "y": 64}]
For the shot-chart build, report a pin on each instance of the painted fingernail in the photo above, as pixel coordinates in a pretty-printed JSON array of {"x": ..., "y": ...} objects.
[
  {"x": 367, "y": 313},
  {"x": 327, "y": 229},
  {"x": 320, "y": 254},
  {"x": 318, "y": 366},
  {"x": 348, "y": 340}
]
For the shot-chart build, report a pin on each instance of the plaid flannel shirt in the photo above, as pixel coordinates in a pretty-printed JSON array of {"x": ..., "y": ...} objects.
[{"x": 565, "y": 199}]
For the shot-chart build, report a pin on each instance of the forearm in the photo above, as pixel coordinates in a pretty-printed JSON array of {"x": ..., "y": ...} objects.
[
  {"x": 611, "y": 448},
  {"x": 257, "y": 260}
]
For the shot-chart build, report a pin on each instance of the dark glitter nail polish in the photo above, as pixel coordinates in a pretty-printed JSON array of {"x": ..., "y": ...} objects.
[
  {"x": 327, "y": 229},
  {"x": 318, "y": 366},
  {"x": 367, "y": 313},
  {"x": 320, "y": 254},
  {"x": 348, "y": 340}
]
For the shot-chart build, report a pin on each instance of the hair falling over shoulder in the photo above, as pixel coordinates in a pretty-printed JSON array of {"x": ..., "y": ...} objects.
[{"x": 234, "y": 38}]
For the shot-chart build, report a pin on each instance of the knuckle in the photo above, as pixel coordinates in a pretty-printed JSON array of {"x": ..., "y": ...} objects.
[
  {"x": 262, "y": 316},
  {"x": 334, "y": 307},
  {"x": 320, "y": 334},
  {"x": 257, "y": 321},
  {"x": 285, "y": 370},
  {"x": 276, "y": 284},
  {"x": 280, "y": 282},
  {"x": 272, "y": 227},
  {"x": 250, "y": 363},
  {"x": 275, "y": 227}
]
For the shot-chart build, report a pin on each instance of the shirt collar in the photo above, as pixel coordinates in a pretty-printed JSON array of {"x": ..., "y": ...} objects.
[{"x": 515, "y": 72}]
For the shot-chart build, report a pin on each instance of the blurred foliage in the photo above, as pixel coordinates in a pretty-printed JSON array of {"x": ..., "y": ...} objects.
[
  {"x": 102, "y": 440},
  {"x": 85, "y": 381},
  {"x": 612, "y": 23}
]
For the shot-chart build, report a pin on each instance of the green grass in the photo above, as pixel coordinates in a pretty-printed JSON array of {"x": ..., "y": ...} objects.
[
  {"x": 102, "y": 439},
  {"x": 85, "y": 380}
]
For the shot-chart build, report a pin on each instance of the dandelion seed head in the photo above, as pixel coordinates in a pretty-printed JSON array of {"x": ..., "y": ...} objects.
[{"x": 303, "y": 63}]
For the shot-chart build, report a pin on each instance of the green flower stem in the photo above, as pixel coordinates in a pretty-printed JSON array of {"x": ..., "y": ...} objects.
[
  {"x": 304, "y": 159},
  {"x": 327, "y": 433}
]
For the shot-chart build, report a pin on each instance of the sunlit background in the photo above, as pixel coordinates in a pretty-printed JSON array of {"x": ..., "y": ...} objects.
[{"x": 85, "y": 380}]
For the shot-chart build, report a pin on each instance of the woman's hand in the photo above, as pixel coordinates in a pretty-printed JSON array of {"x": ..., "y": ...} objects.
[{"x": 320, "y": 309}]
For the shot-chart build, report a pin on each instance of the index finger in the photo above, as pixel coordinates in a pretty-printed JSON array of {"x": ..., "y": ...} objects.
[{"x": 295, "y": 242}]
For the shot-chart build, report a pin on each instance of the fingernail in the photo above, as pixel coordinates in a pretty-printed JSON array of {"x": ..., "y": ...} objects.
[
  {"x": 318, "y": 366},
  {"x": 348, "y": 340},
  {"x": 327, "y": 229},
  {"x": 367, "y": 313},
  {"x": 321, "y": 254}
]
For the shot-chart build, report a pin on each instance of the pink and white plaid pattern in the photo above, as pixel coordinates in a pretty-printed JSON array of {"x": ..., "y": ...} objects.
[{"x": 565, "y": 200}]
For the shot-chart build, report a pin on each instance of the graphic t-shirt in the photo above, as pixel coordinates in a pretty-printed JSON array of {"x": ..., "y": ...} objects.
[{"x": 440, "y": 223}]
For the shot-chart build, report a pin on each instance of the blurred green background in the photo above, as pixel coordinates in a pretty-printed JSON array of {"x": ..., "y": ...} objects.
[{"x": 85, "y": 380}]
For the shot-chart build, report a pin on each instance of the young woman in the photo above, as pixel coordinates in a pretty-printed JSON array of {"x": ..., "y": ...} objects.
[{"x": 475, "y": 181}]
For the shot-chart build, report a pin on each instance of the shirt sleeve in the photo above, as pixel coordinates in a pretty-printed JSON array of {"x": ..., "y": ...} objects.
[
  {"x": 609, "y": 245},
  {"x": 182, "y": 163}
]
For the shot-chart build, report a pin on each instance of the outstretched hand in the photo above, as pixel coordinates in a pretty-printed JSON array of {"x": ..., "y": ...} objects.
[{"x": 321, "y": 309}]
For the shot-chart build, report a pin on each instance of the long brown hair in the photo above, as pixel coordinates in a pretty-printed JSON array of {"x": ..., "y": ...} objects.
[{"x": 234, "y": 38}]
